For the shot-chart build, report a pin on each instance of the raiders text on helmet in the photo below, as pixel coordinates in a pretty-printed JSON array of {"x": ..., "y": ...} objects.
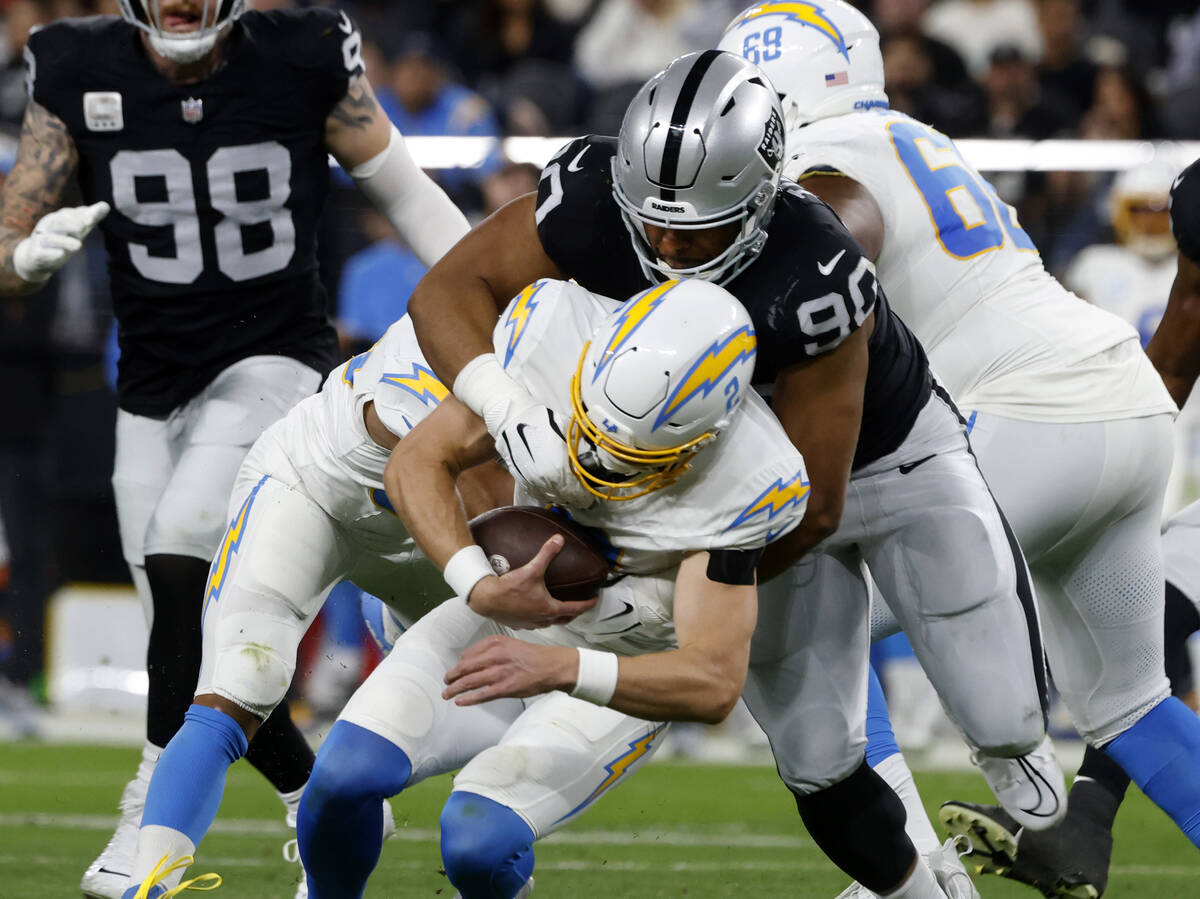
[
  {"x": 823, "y": 57},
  {"x": 701, "y": 146}
]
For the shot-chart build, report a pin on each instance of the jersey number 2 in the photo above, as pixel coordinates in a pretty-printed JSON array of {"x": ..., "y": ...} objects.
[
  {"x": 970, "y": 219},
  {"x": 178, "y": 210}
]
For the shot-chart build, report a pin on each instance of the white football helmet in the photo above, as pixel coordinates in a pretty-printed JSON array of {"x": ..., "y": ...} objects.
[
  {"x": 213, "y": 17},
  {"x": 822, "y": 57},
  {"x": 701, "y": 146},
  {"x": 1139, "y": 209},
  {"x": 658, "y": 381}
]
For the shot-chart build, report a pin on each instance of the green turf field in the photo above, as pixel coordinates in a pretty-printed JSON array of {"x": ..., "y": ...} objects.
[{"x": 674, "y": 830}]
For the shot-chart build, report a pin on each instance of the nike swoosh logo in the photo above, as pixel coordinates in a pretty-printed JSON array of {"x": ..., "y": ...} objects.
[
  {"x": 521, "y": 433},
  {"x": 111, "y": 871},
  {"x": 1034, "y": 777},
  {"x": 828, "y": 266},
  {"x": 573, "y": 165},
  {"x": 905, "y": 469},
  {"x": 625, "y": 611}
]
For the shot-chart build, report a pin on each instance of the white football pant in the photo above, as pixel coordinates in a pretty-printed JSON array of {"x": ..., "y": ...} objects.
[
  {"x": 1085, "y": 501},
  {"x": 924, "y": 523},
  {"x": 547, "y": 758},
  {"x": 172, "y": 477}
]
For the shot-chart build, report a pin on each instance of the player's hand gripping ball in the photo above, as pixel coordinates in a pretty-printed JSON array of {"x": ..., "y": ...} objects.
[{"x": 512, "y": 535}]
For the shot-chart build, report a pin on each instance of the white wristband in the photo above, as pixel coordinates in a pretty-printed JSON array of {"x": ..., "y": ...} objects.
[
  {"x": 597, "y": 680},
  {"x": 466, "y": 568},
  {"x": 486, "y": 389}
]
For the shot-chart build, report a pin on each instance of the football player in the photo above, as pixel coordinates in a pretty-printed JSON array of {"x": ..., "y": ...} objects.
[
  {"x": 200, "y": 138},
  {"x": 687, "y": 476},
  {"x": 1132, "y": 276},
  {"x": 1063, "y": 858},
  {"x": 307, "y": 511},
  {"x": 1069, "y": 420},
  {"x": 692, "y": 188}
]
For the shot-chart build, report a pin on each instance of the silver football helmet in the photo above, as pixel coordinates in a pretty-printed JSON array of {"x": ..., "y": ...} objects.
[
  {"x": 701, "y": 146},
  {"x": 152, "y": 16},
  {"x": 823, "y": 57}
]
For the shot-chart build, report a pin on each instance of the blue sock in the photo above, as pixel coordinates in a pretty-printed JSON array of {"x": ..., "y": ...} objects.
[
  {"x": 340, "y": 825},
  {"x": 341, "y": 619},
  {"x": 487, "y": 848},
  {"x": 189, "y": 779},
  {"x": 881, "y": 742},
  {"x": 1161, "y": 753}
]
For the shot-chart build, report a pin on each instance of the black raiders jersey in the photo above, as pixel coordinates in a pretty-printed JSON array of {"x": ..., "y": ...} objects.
[
  {"x": 215, "y": 188},
  {"x": 1185, "y": 211},
  {"x": 809, "y": 288}
]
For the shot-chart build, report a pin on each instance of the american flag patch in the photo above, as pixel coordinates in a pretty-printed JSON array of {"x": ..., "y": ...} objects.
[{"x": 836, "y": 78}]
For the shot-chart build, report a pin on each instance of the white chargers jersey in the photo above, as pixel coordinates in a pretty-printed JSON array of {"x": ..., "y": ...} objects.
[
  {"x": 743, "y": 490},
  {"x": 327, "y": 439},
  {"x": 1120, "y": 281},
  {"x": 1001, "y": 333}
]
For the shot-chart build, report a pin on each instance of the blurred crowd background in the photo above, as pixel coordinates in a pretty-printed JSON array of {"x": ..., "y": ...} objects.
[{"x": 1083, "y": 69}]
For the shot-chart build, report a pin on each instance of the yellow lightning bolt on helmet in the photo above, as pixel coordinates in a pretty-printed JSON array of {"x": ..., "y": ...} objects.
[{"x": 823, "y": 57}]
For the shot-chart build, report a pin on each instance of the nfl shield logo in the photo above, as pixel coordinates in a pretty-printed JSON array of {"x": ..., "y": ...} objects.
[{"x": 193, "y": 110}]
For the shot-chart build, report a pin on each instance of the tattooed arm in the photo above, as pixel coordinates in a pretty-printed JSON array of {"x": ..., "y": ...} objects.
[
  {"x": 357, "y": 129},
  {"x": 372, "y": 151},
  {"x": 46, "y": 160}
]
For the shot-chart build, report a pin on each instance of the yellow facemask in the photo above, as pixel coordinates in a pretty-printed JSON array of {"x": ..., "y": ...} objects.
[{"x": 665, "y": 466}]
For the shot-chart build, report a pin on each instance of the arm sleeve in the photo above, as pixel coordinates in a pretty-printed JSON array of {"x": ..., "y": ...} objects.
[{"x": 418, "y": 209}]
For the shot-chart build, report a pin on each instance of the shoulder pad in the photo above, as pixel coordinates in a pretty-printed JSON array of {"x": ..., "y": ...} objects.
[
  {"x": 542, "y": 309},
  {"x": 313, "y": 38},
  {"x": 57, "y": 54},
  {"x": 1185, "y": 211}
]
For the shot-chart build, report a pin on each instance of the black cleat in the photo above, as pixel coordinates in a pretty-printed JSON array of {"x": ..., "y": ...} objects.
[{"x": 1068, "y": 861}]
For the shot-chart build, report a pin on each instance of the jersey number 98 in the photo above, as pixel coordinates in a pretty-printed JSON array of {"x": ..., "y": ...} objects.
[
  {"x": 970, "y": 219},
  {"x": 178, "y": 211}
]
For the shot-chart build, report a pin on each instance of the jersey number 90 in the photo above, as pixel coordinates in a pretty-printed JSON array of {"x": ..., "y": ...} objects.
[
  {"x": 969, "y": 217},
  {"x": 178, "y": 211}
]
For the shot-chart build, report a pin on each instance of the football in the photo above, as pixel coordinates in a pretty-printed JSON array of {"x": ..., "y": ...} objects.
[{"x": 512, "y": 535}]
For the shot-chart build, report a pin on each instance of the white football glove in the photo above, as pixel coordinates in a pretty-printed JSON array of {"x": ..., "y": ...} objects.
[
  {"x": 56, "y": 238},
  {"x": 533, "y": 445}
]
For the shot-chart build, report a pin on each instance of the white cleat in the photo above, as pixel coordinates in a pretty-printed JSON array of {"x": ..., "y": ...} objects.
[
  {"x": 291, "y": 849},
  {"x": 1030, "y": 787},
  {"x": 947, "y": 866},
  {"x": 856, "y": 891},
  {"x": 108, "y": 876},
  {"x": 936, "y": 889}
]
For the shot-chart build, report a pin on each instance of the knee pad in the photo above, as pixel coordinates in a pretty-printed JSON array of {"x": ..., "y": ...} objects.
[
  {"x": 487, "y": 848},
  {"x": 255, "y": 661}
]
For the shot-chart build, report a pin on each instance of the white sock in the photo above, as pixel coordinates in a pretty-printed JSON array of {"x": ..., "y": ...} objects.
[
  {"x": 291, "y": 804},
  {"x": 920, "y": 884},
  {"x": 919, "y": 828},
  {"x": 150, "y": 754},
  {"x": 154, "y": 842}
]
